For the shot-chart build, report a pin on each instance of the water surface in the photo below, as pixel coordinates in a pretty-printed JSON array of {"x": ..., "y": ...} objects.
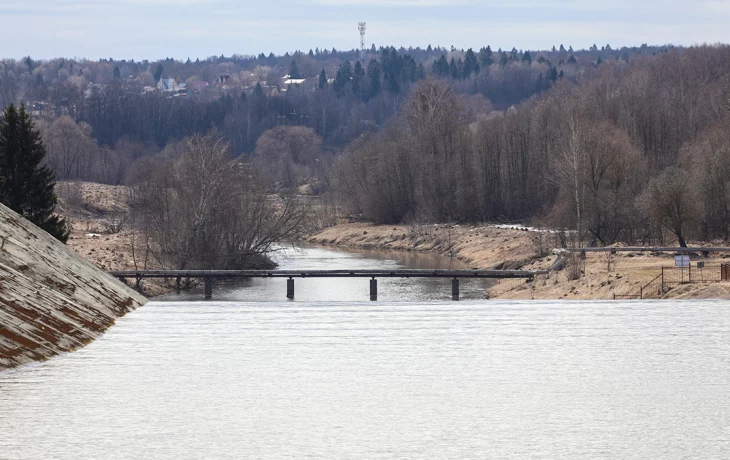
[
  {"x": 230, "y": 380},
  {"x": 343, "y": 289}
]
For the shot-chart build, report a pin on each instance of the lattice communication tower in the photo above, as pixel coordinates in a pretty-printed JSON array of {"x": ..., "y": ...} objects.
[{"x": 362, "y": 26}]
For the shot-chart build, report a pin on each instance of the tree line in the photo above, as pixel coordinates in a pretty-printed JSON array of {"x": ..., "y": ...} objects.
[{"x": 636, "y": 153}]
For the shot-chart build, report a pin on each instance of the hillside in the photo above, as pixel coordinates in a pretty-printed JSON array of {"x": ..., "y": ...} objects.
[{"x": 51, "y": 299}]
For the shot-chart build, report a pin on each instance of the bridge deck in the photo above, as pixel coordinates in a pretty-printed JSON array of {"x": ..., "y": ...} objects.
[{"x": 327, "y": 273}]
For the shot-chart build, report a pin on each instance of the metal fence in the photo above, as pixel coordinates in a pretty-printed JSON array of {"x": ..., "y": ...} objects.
[
  {"x": 701, "y": 272},
  {"x": 654, "y": 289}
]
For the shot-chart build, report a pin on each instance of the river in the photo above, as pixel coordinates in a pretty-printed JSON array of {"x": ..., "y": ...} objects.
[{"x": 400, "y": 378}]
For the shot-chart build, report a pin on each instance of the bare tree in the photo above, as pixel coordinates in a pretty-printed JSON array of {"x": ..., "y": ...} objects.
[
  {"x": 670, "y": 201},
  {"x": 212, "y": 210}
]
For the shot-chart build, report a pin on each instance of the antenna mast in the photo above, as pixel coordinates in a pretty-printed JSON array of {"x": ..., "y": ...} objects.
[{"x": 362, "y": 26}]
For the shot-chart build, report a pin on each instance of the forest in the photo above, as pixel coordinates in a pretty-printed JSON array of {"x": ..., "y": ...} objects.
[{"x": 618, "y": 145}]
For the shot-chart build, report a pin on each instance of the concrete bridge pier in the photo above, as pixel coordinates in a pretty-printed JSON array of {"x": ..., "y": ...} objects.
[
  {"x": 208, "y": 288},
  {"x": 373, "y": 289},
  {"x": 290, "y": 289},
  {"x": 455, "y": 289}
]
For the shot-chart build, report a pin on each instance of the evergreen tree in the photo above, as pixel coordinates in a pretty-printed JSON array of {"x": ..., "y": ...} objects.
[
  {"x": 322, "y": 79},
  {"x": 393, "y": 84},
  {"x": 158, "y": 72},
  {"x": 572, "y": 60},
  {"x": 420, "y": 72},
  {"x": 375, "y": 76},
  {"x": 294, "y": 72},
  {"x": 26, "y": 184},
  {"x": 553, "y": 74},
  {"x": 561, "y": 74},
  {"x": 441, "y": 67},
  {"x": 526, "y": 58},
  {"x": 485, "y": 56},
  {"x": 503, "y": 59},
  {"x": 453, "y": 69},
  {"x": 117, "y": 73},
  {"x": 471, "y": 64},
  {"x": 357, "y": 76}
]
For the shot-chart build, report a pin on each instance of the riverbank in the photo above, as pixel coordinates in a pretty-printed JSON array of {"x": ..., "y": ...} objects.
[{"x": 490, "y": 247}]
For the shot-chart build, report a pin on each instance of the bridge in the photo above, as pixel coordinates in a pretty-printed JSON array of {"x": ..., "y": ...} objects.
[{"x": 208, "y": 276}]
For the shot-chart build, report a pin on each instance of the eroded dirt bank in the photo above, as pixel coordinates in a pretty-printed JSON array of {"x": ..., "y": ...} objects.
[
  {"x": 486, "y": 247},
  {"x": 51, "y": 299}
]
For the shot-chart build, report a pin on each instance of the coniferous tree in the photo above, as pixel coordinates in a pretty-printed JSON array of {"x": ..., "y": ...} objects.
[
  {"x": 485, "y": 56},
  {"x": 322, "y": 79},
  {"x": 294, "y": 72},
  {"x": 158, "y": 72},
  {"x": 421, "y": 72},
  {"x": 526, "y": 58},
  {"x": 27, "y": 185},
  {"x": 553, "y": 75},
  {"x": 503, "y": 59},
  {"x": 117, "y": 73},
  {"x": 375, "y": 76},
  {"x": 453, "y": 69},
  {"x": 471, "y": 63}
]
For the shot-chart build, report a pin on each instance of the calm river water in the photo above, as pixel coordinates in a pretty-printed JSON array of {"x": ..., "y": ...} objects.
[{"x": 391, "y": 380}]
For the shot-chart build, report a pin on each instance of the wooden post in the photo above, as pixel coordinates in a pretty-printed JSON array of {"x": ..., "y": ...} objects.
[
  {"x": 455, "y": 289},
  {"x": 373, "y": 289},
  {"x": 208, "y": 288},
  {"x": 290, "y": 289}
]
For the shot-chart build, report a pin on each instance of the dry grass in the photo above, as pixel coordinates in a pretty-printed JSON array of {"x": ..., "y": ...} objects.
[{"x": 599, "y": 276}]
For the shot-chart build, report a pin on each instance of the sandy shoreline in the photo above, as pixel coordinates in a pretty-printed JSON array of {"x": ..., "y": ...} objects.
[{"x": 488, "y": 247}]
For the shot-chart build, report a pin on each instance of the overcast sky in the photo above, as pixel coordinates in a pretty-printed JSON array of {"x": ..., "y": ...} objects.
[{"x": 152, "y": 29}]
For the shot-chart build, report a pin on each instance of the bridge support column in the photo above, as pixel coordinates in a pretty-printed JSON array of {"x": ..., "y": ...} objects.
[
  {"x": 290, "y": 289},
  {"x": 208, "y": 288},
  {"x": 373, "y": 289},
  {"x": 455, "y": 289}
]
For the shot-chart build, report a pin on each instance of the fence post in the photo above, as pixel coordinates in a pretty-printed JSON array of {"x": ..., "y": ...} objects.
[
  {"x": 662, "y": 280},
  {"x": 689, "y": 275},
  {"x": 641, "y": 293}
]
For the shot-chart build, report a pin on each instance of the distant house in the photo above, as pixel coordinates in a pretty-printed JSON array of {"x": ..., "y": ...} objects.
[
  {"x": 167, "y": 85},
  {"x": 294, "y": 81},
  {"x": 198, "y": 86},
  {"x": 182, "y": 90}
]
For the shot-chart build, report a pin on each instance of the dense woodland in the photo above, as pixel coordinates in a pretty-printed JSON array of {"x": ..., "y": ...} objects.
[{"x": 624, "y": 145}]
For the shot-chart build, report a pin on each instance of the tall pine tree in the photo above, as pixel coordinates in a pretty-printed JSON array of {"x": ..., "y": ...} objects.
[{"x": 26, "y": 184}]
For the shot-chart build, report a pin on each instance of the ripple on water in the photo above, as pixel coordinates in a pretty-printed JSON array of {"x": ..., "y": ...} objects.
[{"x": 385, "y": 380}]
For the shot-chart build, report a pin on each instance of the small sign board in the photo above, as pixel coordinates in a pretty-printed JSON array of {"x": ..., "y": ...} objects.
[{"x": 681, "y": 261}]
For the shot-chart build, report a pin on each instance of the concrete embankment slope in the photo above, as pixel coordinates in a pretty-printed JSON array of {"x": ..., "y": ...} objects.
[{"x": 51, "y": 299}]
